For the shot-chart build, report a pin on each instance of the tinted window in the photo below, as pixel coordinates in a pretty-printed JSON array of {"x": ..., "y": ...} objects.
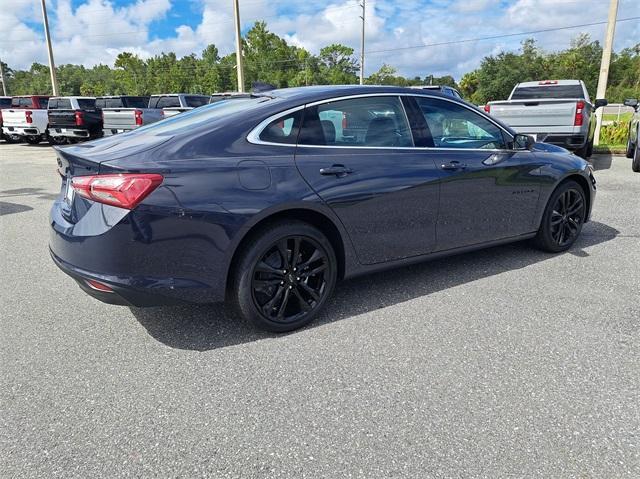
[
  {"x": 548, "y": 91},
  {"x": 195, "y": 100},
  {"x": 5, "y": 102},
  {"x": 22, "y": 102},
  {"x": 283, "y": 130},
  {"x": 368, "y": 121},
  {"x": 136, "y": 101},
  {"x": 59, "y": 104},
  {"x": 168, "y": 102},
  {"x": 453, "y": 126},
  {"x": 86, "y": 103},
  {"x": 44, "y": 101}
]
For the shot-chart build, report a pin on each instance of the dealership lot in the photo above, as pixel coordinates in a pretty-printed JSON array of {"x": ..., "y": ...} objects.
[{"x": 504, "y": 362}]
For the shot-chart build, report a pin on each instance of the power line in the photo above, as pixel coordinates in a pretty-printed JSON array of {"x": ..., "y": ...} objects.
[{"x": 495, "y": 37}]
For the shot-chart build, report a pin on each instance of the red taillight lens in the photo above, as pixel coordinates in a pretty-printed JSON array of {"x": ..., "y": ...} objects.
[
  {"x": 138, "y": 114},
  {"x": 28, "y": 114},
  {"x": 79, "y": 118},
  {"x": 579, "y": 114},
  {"x": 124, "y": 191},
  {"x": 487, "y": 108}
]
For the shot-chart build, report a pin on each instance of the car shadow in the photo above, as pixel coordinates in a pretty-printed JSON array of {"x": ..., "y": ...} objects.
[
  {"x": 601, "y": 162},
  {"x": 12, "y": 208},
  {"x": 207, "y": 327}
]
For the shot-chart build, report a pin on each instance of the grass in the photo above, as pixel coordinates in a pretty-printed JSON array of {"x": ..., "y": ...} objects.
[
  {"x": 610, "y": 149},
  {"x": 614, "y": 116}
]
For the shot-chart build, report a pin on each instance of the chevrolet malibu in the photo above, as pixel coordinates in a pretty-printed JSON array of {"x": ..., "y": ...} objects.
[{"x": 268, "y": 201}]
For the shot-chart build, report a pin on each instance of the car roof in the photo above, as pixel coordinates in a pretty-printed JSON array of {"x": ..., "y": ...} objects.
[{"x": 321, "y": 92}]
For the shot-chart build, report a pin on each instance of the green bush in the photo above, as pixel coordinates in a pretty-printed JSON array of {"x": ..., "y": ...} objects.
[{"x": 614, "y": 134}]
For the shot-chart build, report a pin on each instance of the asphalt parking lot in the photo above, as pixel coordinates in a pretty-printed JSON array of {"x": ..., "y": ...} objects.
[{"x": 503, "y": 363}]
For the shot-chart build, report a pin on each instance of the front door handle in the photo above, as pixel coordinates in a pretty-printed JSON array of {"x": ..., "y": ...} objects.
[
  {"x": 337, "y": 170},
  {"x": 453, "y": 165}
]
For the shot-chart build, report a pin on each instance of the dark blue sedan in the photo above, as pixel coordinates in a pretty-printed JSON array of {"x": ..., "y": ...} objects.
[{"x": 267, "y": 201}]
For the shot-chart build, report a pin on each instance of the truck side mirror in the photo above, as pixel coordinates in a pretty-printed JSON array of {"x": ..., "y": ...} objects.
[
  {"x": 632, "y": 102},
  {"x": 523, "y": 142},
  {"x": 600, "y": 102}
]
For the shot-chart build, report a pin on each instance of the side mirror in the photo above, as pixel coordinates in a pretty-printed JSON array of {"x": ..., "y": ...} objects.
[
  {"x": 523, "y": 142},
  {"x": 600, "y": 102},
  {"x": 632, "y": 102}
]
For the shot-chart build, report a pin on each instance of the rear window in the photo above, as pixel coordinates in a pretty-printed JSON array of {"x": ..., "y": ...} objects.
[
  {"x": 60, "y": 104},
  {"x": 86, "y": 103},
  {"x": 137, "y": 101},
  {"x": 165, "y": 102},
  {"x": 201, "y": 116},
  {"x": 123, "y": 102},
  {"x": 196, "y": 100},
  {"x": 5, "y": 102},
  {"x": 547, "y": 91},
  {"x": 22, "y": 102}
]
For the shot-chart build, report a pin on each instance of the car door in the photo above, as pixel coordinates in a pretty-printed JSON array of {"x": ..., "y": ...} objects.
[
  {"x": 359, "y": 157},
  {"x": 488, "y": 190}
]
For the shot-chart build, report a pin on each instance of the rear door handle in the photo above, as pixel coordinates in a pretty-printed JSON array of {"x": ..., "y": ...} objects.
[
  {"x": 453, "y": 165},
  {"x": 337, "y": 170}
]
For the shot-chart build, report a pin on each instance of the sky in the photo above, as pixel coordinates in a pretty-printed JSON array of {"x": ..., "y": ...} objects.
[{"x": 90, "y": 32}]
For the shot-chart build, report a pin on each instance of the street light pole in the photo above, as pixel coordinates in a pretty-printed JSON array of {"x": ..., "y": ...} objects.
[
  {"x": 4, "y": 85},
  {"x": 363, "y": 5},
  {"x": 604, "y": 66},
  {"x": 52, "y": 66},
  {"x": 239, "y": 67}
]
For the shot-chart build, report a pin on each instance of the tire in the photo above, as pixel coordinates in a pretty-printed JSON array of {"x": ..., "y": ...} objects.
[
  {"x": 271, "y": 299},
  {"x": 33, "y": 140},
  {"x": 635, "y": 163},
  {"x": 55, "y": 140},
  {"x": 590, "y": 148},
  {"x": 583, "y": 151},
  {"x": 12, "y": 139},
  {"x": 563, "y": 218},
  {"x": 630, "y": 148}
]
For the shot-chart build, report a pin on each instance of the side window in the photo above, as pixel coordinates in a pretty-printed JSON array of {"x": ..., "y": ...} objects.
[
  {"x": 453, "y": 126},
  {"x": 153, "y": 102},
  {"x": 368, "y": 121},
  {"x": 283, "y": 130}
]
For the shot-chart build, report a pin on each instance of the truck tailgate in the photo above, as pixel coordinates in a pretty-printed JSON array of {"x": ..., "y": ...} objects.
[
  {"x": 14, "y": 118},
  {"x": 62, "y": 118},
  {"x": 119, "y": 118},
  {"x": 535, "y": 112}
]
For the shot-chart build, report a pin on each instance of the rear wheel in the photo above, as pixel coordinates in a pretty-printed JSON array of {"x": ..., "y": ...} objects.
[
  {"x": 630, "y": 147},
  {"x": 563, "y": 218},
  {"x": 284, "y": 277},
  {"x": 33, "y": 140},
  {"x": 583, "y": 152}
]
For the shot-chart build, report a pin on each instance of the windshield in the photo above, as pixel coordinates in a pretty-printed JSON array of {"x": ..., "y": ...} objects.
[
  {"x": 547, "y": 91},
  {"x": 205, "y": 114}
]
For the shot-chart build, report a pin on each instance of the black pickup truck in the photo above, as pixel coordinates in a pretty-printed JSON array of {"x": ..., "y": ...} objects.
[{"x": 73, "y": 118}]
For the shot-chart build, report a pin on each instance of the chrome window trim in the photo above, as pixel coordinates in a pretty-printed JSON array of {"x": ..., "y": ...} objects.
[{"x": 254, "y": 135}]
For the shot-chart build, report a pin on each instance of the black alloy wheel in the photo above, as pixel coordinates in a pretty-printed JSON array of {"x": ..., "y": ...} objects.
[
  {"x": 285, "y": 277},
  {"x": 563, "y": 218}
]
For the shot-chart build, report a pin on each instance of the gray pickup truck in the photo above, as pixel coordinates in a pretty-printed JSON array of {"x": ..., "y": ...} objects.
[
  {"x": 125, "y": 113},
  {"x": 175, "y": 103},
  {"x": 552, "y": 111}
]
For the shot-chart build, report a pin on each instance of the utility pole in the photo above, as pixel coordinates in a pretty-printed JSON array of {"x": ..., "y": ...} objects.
[
  {"x": 236, "y": 13},
  {"x": 52, "y": 66},
  {"x": 604, "y": 66},
  {"x": 4, "y": 85},
  {"x": 363, "y": 5}
]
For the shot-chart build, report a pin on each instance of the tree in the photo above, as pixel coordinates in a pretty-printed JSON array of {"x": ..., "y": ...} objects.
[{"x": 338, "y": 66}]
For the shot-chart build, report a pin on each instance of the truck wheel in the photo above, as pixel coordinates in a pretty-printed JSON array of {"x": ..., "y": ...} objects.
[
  {"x": 33, "y": 140},
  {"x": 56, "y": 140},
  {"x": 630, "y": 147},
  {"x": 583, "y": 151},
  {"x": 12, "y": 139}
]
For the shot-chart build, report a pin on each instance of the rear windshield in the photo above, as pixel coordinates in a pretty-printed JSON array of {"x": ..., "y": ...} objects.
[
  {"x": 5, "y": 102},
  {"x": 547, "y": 91},
  {"x": 59, "y": 104},
  {"x": 22, "y": 102},
  {"x": 196, "y": 100},
  {"x": 164, "y": 102},
  {"x": 123, "y": 102},
  {"x": 201, "y": 116},
  {"x": 86, "y": 103}
]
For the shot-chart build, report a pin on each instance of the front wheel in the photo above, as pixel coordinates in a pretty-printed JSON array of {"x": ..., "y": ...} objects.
[
  {"x": 563, "y": 218},
  {"x": 284, "y": 277}
]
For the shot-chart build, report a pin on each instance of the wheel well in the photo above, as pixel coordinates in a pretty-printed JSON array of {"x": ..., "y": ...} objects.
[
  {"x": 311, "y": 217},
  {"x": 582, "y": 181}
]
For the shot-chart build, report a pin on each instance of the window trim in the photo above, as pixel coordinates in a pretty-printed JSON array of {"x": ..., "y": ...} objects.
[{"x": 254, "y": 135}]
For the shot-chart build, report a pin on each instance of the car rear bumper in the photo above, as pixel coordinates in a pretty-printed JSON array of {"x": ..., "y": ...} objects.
[
  {"x": 69, "y": 132},
  {"x": 137, "y": 254}
]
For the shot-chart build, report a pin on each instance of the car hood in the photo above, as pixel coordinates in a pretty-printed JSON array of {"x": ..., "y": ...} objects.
[{"x": 549, "y": 148}]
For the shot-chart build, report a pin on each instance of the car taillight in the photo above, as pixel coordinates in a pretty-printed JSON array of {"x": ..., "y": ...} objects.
[
  {"x": 28, "y": 114},
  {"x": 124, "y": 191},
  {"x": 487, "y": 108},
  {"x": 0, "y": 115},
  {"x": 579, "y": 114},
  {"x": 138, "y": 114},
  {"x": 79, "y": 118}
]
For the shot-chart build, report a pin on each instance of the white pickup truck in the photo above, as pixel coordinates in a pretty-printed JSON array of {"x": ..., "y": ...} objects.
[
  {"x": 174, "y": 104},
  {"x": 27, "y": 118},
  {"x": 552, "y": 111}
]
